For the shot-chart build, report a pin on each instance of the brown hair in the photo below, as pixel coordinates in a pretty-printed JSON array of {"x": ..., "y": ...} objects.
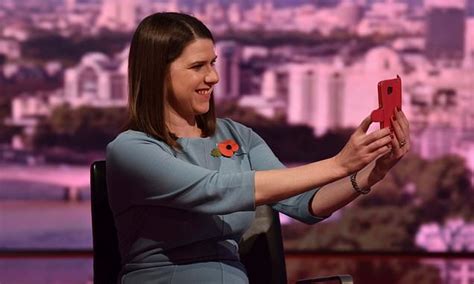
[{"x": 158, "y": 40}]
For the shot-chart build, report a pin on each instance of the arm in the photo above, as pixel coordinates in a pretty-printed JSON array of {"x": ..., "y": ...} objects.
[
  {"x": 336, "y": 195},
  {"x": 142, "y": 171},
  {"x": 298, "y": 206},
  {"x": 360, "y": 150},
  {"x": 262, "y": 158}
]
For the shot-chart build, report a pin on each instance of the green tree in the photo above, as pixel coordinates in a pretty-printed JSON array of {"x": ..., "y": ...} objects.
[
  {"x": 367, "y": 271},
  {"x": 85, "y": 128},
  {"x": 444, "y": 189},
  {"x": 387, "y": 228},
  {"x": 398, "y": 186},
  {"x": 70, "y": 50},
  {"x": 245, "y": 115}
]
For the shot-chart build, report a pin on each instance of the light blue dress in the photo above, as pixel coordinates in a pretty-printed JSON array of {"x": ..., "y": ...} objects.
[{"x": 180, "y": 215}]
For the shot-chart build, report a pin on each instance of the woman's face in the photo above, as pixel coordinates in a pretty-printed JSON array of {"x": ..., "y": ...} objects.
[{"x": 192, "y": 79}]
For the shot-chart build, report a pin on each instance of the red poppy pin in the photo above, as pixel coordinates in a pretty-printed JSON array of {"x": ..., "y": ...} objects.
[{"x": 226, "y": 148}]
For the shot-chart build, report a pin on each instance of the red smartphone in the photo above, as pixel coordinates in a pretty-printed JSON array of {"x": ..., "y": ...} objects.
[{"x": 390, "y": 99}]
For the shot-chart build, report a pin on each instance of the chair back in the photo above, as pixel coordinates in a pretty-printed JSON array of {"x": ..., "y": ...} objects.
[
  {"x": 261, "y": 247},
  {"x": 106, "y": 255}
]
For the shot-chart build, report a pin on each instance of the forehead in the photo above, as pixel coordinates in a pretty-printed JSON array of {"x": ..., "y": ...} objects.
[{"x": 198, "y": 50}]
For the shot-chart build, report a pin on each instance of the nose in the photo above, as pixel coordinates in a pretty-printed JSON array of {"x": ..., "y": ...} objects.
[{"x": 212, "y": 77}]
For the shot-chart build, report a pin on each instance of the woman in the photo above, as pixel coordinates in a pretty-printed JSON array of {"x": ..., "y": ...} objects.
[{"x": 183, "y": 185}]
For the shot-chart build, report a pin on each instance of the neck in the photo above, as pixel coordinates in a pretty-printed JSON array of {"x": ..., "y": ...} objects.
[{"x": 182, "y": 127}]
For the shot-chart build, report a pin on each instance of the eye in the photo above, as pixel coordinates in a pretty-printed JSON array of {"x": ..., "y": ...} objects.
[
  {"x": 197, "y": 67},
  {"x": 213, "y": 62}
]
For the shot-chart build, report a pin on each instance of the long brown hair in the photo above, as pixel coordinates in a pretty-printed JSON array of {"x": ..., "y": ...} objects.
[{"x": 158, "y": 40}]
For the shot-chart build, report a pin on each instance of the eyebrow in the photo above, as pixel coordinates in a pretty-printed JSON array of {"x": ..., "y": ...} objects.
[{"x": 203, "y": 61}]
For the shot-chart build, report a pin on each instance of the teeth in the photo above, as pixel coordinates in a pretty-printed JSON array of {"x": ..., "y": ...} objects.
[{"x": 202, "y": 92}]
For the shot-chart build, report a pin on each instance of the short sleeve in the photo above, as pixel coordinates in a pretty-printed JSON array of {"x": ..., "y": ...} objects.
[{"x": 141, "y": 171}]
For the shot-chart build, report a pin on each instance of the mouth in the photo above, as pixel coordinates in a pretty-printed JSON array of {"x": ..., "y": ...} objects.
[{"x": 204, "y": 92}]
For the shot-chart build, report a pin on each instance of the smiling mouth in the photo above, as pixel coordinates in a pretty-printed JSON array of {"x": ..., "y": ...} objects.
[{"x": 204, "y": 92}]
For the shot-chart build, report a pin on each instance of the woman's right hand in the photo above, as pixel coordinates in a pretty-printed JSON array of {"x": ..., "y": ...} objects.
[{"x": 363, "y": 148}]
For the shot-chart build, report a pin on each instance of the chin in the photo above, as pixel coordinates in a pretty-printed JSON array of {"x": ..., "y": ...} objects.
[{"x": 202, "y": 109}]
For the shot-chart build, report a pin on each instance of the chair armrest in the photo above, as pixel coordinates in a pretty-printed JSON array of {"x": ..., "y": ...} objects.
[{"x": 343, "y": 279}]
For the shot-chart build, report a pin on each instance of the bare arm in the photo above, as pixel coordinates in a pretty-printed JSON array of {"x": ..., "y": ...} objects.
[
  {"x": 275, "y": 185},
  {"x": 361, "y": 149},
  {"x": 337, "y": 194}
]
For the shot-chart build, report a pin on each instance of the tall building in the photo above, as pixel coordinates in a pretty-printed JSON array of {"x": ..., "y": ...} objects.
[
  {"x": 70, "y": 5},
  {"x": 326, "y": 94},
  {"x": 470, "y": 8},
  {"x": 229, "y": 55},
  {"x": 316, "y": 96},
  {"x": 336, "y": 91},
  {"x": 275, "y": 84},
  {"x": 302, "y": 93},
  {"x": 469, "y": 35},
  {"x": 119, "y": 15},
  {"x": 445, "y": 30}
]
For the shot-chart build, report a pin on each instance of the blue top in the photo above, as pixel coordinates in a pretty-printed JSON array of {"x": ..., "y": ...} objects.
[{"x": 176, "y": 208}]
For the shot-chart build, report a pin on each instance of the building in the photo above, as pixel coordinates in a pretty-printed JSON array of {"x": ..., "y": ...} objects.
[
  {"x": 445, "y": 31},
  {"x": 119, "y": 15},
  {"x": 453, "y": 236},
  {"x": 97, "y": 81},
  {"x": 229, "y": 55},
  {"x": 387, "y": 17},
  {"x": 442, "y": 119},
  {"x": 326, "y": 94},
  {"x": 10, "y": 48},
  {"x": 469, "y": 43}
]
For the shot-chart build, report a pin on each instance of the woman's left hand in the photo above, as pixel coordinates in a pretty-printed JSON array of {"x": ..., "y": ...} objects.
[{"x": 400, "y": 146}]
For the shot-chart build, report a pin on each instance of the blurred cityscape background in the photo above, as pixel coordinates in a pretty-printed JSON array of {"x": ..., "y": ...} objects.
[{"x": 301, "y": 73}]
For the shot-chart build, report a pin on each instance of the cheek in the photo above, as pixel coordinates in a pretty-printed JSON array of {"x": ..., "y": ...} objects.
[
  {"x": 186, "y": 83},
  {"x": 194, "y": 81}
]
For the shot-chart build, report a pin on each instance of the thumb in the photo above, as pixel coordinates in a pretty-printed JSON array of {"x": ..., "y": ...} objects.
[{"x": 364, "y": 125}]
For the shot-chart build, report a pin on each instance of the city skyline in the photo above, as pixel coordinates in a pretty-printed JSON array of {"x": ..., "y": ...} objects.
[
  {"x": 325, "y": 103},
  {"x": 314, "y": 63}
]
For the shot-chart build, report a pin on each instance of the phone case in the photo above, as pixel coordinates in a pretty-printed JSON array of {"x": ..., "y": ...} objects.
[{"x": 390, "y": 98}]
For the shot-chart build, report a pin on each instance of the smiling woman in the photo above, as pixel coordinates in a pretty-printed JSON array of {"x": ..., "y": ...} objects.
[
  {"x": 183, "y": 185},
  {"x": 171, "y": 74},
  {"x": 192, "y": 78}
]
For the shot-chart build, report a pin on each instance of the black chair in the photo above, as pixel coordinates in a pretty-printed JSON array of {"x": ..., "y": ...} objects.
[{"x": 261, "y": 248}]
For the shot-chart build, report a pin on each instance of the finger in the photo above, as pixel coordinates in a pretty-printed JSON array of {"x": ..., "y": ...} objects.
[
  {"x": 404, "y": 124},
  {"x": 403, "y": 114},
  {"x": 379, "y": 152},
  {"x": 400, "y": 150},
  {"x": 380, "y": 143},
  {"x": 364, "y": 125},
  {"x": 401, "y": 118},
  {"x": 376, "y": 135},
  {"x": 399, "y": 133},
  {"x": 396, "y": 150}
]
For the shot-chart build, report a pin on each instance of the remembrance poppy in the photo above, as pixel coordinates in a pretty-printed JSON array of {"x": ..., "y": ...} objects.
[{"x": 226, "y": 148}]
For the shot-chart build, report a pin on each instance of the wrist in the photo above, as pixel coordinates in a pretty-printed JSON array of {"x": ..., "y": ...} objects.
[
  {"x": 358, "y": 187},
  {"x": 375, "y": 176},
  {"x": 338, "y": 167}
]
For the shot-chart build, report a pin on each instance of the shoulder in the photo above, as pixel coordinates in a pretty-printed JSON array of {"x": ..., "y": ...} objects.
[
  {"x": 244, "y": 135},
  {"x": 131, "y": 141},
  {"x": 234, "y": 126}
]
